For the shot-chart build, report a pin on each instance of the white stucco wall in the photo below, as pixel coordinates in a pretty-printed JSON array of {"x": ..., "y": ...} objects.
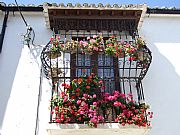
[
  {"x": 20, "y": 72},
  {"x": 162, "y": 83}
]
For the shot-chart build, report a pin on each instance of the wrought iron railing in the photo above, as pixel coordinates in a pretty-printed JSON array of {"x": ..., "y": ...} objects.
[{"x": 118, "y": 73}]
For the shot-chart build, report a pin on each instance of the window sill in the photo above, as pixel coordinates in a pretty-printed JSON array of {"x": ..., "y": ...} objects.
[{"x": 102, "y": 129}]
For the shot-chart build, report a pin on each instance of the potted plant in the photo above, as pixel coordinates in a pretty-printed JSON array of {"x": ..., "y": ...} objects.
[
  {"x": 55, "y": 49},
  {"x": 92, "y": 45},
  {"x": 78, "y": 103}
]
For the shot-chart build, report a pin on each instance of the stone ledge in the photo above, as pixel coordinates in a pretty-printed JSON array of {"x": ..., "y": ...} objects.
[{"x": 102, "y": 129}]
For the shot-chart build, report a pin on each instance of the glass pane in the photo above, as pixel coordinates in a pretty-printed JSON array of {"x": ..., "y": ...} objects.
[{"x": 83, "y": 60}]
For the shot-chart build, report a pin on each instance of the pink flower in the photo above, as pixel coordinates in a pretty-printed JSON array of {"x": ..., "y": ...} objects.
[
  {"x": 123, "y": 95},
  {"x": 92, "y": 41},
  {"x": 85, "y": 95},
  {"x": 94, "y": 96},
  {"x": 91, "y": 111},
  {"x": 123, "y": 106},
  {"x": 117, "y": 119},
  {"x": 81, "y": 42},
  {"x": 78, "y": 102},
  {"x": 111, "y": 98},
  {"x": 81, "y": 112},
  {"x": 51, "y": 39},
  {"x": 94, "y": 36},
  {"x": 103, "y": 87},
  {"x": 95, "y": 48},
  {"x": 93, "y": 120},
  {"x": 130, "y": 95},
  {"x": 128, "y": 114},
  {"x": 106, "y": 94},
  {"x": 127, "y": 45},
  {"x": 117, "y": 104},
  {"x": 90, "y": 115},
  {"x": 100, "y": 82},
  {"x": 65, "y": 99},
  {"x": 116, "y": 93},
  {"x": 94, "y": 103},
  {"x": 100, "y": 118},
  {"x": 58, "y": 120},
  {"x": 58, "y": 37},
  {"x": 85, "y": 44}
]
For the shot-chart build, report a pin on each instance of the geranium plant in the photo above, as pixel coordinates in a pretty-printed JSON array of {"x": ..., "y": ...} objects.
[
  {"x": 92, "y": 45},
  {"x": 96, "y": 44},
  {"x": 79, "y": 102}
]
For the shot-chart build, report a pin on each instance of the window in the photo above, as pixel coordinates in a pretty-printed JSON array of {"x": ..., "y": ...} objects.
[{"x": 118, "y": 73}]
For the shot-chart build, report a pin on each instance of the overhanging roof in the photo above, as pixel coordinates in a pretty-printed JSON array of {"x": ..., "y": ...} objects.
[{"x": 55, "y": 15}]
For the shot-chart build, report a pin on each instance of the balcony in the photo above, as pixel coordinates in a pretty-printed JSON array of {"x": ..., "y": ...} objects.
[
  {"x": 97, "y": 91},
  {"x": 102, "y": 129}
]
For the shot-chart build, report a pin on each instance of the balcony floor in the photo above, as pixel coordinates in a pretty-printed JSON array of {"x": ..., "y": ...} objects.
[{"x": 102, "y": 129}]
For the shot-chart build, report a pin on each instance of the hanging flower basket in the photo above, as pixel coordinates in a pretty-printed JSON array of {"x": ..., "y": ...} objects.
[
  {"x": 54, "y": 54},
  {"x": 69, "y": 46}
]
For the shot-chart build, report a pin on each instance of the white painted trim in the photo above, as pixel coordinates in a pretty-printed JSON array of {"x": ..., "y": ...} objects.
[
  {"x": 142, "y": 17},
  {"x": 162, "y": 15},
  {"x": 102, "y": 129}
]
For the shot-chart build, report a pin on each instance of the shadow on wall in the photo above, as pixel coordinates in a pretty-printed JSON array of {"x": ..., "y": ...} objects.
[
  {"x": 9, "y": 59},
  {"x": 12, "y": 52},
  {"x": 162, "y": 83},
  {"x": 161, "y": 86}
]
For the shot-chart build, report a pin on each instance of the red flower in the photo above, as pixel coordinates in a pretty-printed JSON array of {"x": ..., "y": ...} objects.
[
  {"x": 77, "y": 94},
  {"x": 88, "y": 87},
  {"x": 56, "y": 108},
  {"x": 117, "y": 49},
  {"x": 92, "y": 74},
  {"x": 72, "y": 111},
  {"x": 103, "y": 87},
  {"x": 52, "y": 112},
  {"x": 78, "y": 90},
  {"x": 117, "y": 104},
  {"x": 78, "y": 102},
  {"x": 51, "y": 39},
  {"x": 112, "y": 36},
  {"x": 67, "y": 86},
  {"x": 58, "y": 120},
  {"x": 94, "y": 96},
  {"x": 79, "y": 118},
  {"x": 63, "y": 84},
  {"x": 136, "y": 111},
  {"x": 100, "y": 82},
  {"x": 131, "y": 58}
]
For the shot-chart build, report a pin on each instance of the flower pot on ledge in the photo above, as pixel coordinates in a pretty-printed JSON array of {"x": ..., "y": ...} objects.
[{"x": 102, "y": 129}]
